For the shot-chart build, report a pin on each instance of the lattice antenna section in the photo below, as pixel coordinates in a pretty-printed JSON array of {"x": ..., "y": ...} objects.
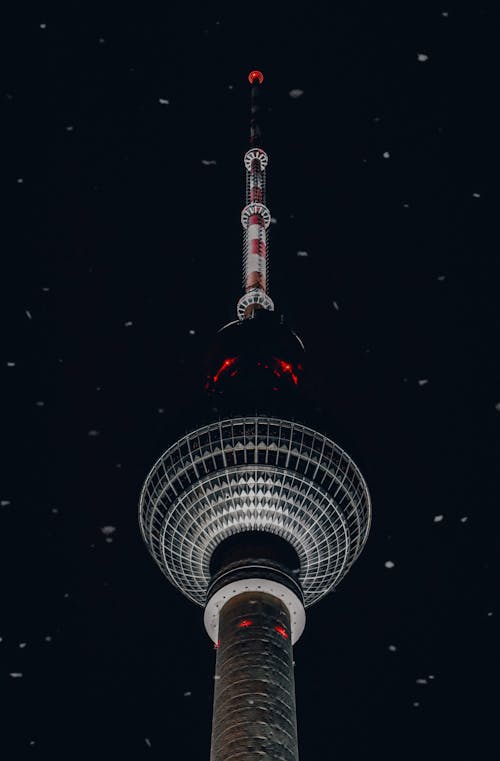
[{"x": 255, "y": 217}]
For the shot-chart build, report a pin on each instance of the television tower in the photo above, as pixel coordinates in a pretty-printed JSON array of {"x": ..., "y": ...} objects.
[{"x": 255, "y": 514}]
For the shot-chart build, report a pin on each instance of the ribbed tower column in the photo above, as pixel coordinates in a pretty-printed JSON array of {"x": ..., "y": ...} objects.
[{"x": 254, "y": 716}]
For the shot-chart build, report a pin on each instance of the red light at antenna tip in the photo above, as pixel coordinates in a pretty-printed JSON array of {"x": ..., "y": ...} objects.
[
  {"x": 255, "y": 75},
  {"x": 281, "y": 630}
]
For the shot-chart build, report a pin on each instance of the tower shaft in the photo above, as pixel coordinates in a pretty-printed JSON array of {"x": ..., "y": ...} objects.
[{"x": 254, "y": 717}]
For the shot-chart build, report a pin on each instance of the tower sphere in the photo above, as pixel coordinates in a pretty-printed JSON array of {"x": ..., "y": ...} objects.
[
  {"x": 255, "y": 474},
  {"x": 256, "y": 75}
]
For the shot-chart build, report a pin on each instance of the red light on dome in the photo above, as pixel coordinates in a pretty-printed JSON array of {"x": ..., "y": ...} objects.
[
  {"x": 281, "y": 630},
  {"x": 287, "y": 368},
  {"x": 245, "y": 623},
  {"x": 256, "y": 75},
  {"x": 227, "y": 363},
  {"x": 217, "y": 644}
]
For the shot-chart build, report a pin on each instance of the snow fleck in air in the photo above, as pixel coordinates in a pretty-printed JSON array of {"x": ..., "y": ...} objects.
[
  {"x": 422, "y": 57},
  {"x": 416, "y": 704},
  {"x": 164, "y": 101},
  {"x": 20, "y": 180},
  {"x": 445, "y": 14},
  {"x": 45, "y": 289},
  {"x": 22, "y": 645},
  {"x": 187, "y": 694},
  {"x": 386, "y": 154},
  {"x": 438, "y": 518},
  {"x": 230, "y": 87},
  {"x": 43, "y": 26},
  {"x": 490, "y": 613},
  {"x": 48, "y": 638},
  {"x": 101, "y": 40},
  {"x": 209, "y": 162},
  {"x": 192, "y": 332},
  {"x": 109, "y": 539},
  {"x": 32, "y": 742},
  {"x": 5, "y": 502},
  {"x": 147, "y": 741},
  {"x": 28, "y": 314},
  {"x": 336, "y": 306},
  {"x": 423, "y": 381},
  {"x": 273, "y": 220},
  {"x": 302, "y": 253},
  {"x": 389, "y": 564},
  {"x": 161, "y": 410},
  {"x": 128, "y": 324},
  {"x": 497, "y": 406},
  {"x": 93, "y": 433},
  {"x": 250, "y": 701},
  {"x": 441, "y": 278},
  {"x": 108, "y": 530},
  {"x": 118, "y": 465},
  {"x": 476, "y": 195},
  {"x": 406, "y": 206},
  {"x": 216, "y": 676},
  {"x": 296, "y": 93},
  {"x": 392, "y": 648},
  {"x": 431, "y": 676},
  {"x": 464, "y": 519},
  {"x": 70, "y": 128},
  {"x": 421, "y": 681},
  {"x": 66, "y": 595},
  {"x": 55, "y": 511},
  {"x": 11, "y": 364},
  {"x": 15, "y": 674}
]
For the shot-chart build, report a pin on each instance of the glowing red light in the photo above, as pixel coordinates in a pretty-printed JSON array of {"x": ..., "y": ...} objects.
[
  {"x": 255, "y": 75},
  {"x": 287, "y": 368},
  {"x": 245, "y": 623},
  {"x": 227, "y": 363},
  {"x": 217, "y": 644},
  {"x": 281, "y": 630}
]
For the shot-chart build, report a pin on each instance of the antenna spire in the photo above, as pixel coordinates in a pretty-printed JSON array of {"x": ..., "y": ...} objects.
[{"x": 255, "y": 217}]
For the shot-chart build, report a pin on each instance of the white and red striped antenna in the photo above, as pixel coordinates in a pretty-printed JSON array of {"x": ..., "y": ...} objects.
[{"x": 255, "y": 216}]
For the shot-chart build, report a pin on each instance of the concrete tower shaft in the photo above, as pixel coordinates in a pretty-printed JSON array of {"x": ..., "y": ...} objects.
[{"x": 254, "y": 715}]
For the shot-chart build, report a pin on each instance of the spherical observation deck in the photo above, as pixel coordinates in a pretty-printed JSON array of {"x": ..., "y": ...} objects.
[{"x": 255, "y": 474}]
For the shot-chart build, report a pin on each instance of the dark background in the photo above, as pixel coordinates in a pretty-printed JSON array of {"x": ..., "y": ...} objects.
[{"x": 113, "y": 218}]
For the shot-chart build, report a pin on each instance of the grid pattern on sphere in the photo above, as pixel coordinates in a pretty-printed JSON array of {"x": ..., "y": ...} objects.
[{"x": 255, "y": 473}]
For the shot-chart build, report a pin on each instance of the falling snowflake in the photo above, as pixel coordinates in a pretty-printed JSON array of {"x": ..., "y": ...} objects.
[
  {"x": 108, "y": 530},
  {"x": 296, "y": 93},
  {"x": 192, "y": 332},
  {"x": 423, "y": 382},
  {"x": 4, "y": 502},
  {"x": 421, "y": 681},
  {"x": 497, "y": 406},
  {"x": 302, "y": 253},
  {"x": 209, "y": 162},
  {"x": 392, "y": 648},
  {"x": 164, "y": 101},
  {"x": 15, "y": 674},
  {"x": 70, "y": 128},
  {"x": 422, "y": 57},
  {"x": 43, "y": 26},
  {"x": 273, "y": 220},
  {"x": 28, "y": 314},
  {"x": 438, "y": 518},
  {"x": 187, "y": 694},
  {"x": 20, "y": 180},
  {"x": 389, "y": 564},
  {"x": 22, "y": 645},
  {"x": 48, "y": 638},
  {"x": 476, "y": 195},
  {"x": 40, "y": 404},
  {"x": 464, "y": 519},
  {"x": 441, "y": 278},
  {"x": 147, "y": 741},
  {"x": 416, "y": 704},
  {"x": 93, "y": 433},
  {"x": 431, "y": 676},
  {"x": 11, "y": 364},
  {"x": 445, "y": 14},
  {"x": 128, "y": 324},
  {"x": 386, "y": 155},
  {"x": 336, "y": 306}
]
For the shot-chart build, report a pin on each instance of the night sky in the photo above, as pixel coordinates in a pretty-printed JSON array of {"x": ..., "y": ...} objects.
[{"x": 124, "y": 130}]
